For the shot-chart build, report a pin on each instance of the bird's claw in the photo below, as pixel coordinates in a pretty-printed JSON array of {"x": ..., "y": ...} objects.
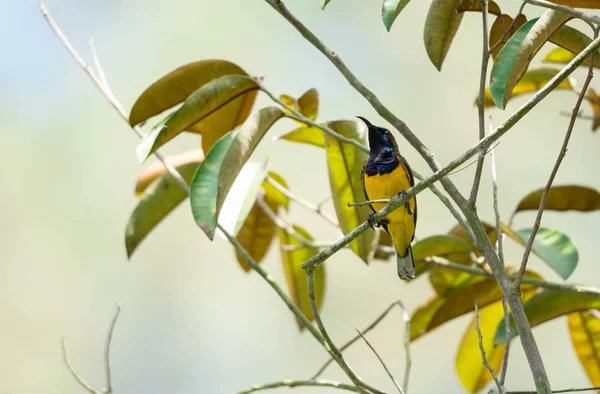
[
  {"x": 406, "y": 203},
  {"x": 371, "y": 221}
]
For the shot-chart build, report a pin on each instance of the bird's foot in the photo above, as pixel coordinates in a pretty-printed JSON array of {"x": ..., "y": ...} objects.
[
  {"x": 406, "y": 203},
  {"x": 371, "y": 221}
]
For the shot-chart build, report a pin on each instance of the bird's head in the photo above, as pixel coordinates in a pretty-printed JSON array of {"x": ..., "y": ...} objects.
[{"x": 381, "y": 139}]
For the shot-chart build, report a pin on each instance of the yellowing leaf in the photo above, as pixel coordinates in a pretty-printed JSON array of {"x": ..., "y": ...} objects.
[
  {"x": 203, "y": 102},
  {"x": 499, "y": 26},
  {"x": 256, "y": 234},
  {"x": 176, "y": 86},
  {"x": 296, "y": 277},
  {"x": 594, "y": 101},
  {"x": 158, "y": 200},
  {"x": 584, "y": 328},
  {"x": 475, "y": 5},
  {"x": 573, "y": 41},
  {"x": 274, "y": 194},
  {"x": 445, "y": 246},
  {"x": 559, "y": 55},
  {"x": 157, "y": 169},
  {"x": 306, "y": 135},
  {"x": 344, "y": 162},
  {"x": 548, "y": 305},
  {"x": 562, "y": 198},
  {"x": 441, "y": 26},
  {"x": 307, "y": 104},
  {"x": 533, "y": 80},
  {"x": 214, "y": 177},
  {"x": 469, "y": 366},
  {"x": 515, "y": 56}
]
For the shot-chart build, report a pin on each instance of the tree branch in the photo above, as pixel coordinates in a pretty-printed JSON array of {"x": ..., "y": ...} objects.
[
  {"x": 482, "y": 349},
  {"x": 589, "y": 18},
  {"x": 300, "y": 383},
  {"x": 380, "y": 361},
  {"x": 79, "y": 379},
  {"x": 485, "y": 56},
  {"x": 111, "y": 330},
  {"x": 329, "y": 345},
  {"x": 559, "y": 159},
  {"x": 573, "y": 390}
]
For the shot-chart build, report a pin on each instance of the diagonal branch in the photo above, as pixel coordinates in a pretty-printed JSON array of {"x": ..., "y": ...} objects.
[
  {"x": 79, "y": 379},
  {"x": 482, "y": 350},
  {"x": 111, "y": 330},
  {"x": 387, "y": 370},
  {"x": 485, "y": 57},
  {"x": 559, "y": 159},
  {"x": 589, "y": 18},
  {"x": 300, "y": 383}
]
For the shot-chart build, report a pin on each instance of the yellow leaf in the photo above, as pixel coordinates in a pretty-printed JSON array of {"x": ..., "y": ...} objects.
[
  {"x": 274, "y": 194},
  {"x": 562, "y": 198},
  {"x": 307, "y": 104},
  {"x": 256, "y": 234},
  {"x": 594, "y": 102},
  {"x": 296, "y": 277},
  {"x": 585, "y": 336},
  {"x": 345, "y": 162},
  {"x": 306, "y": 135},
  {"x": 579, "y": 3}
]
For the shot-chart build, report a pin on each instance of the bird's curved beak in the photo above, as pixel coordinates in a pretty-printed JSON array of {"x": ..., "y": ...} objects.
[{"x": 375, "y": 135}]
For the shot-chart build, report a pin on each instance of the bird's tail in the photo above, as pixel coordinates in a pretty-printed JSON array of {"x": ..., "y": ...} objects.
[{"x": 406, "y": 265}]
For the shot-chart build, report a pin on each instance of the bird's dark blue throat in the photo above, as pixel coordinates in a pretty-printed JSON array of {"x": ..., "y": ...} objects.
[{"x": 382, "y": 158}]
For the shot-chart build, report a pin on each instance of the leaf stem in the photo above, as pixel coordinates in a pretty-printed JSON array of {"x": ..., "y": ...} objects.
[{"x": 300, "y": 383}]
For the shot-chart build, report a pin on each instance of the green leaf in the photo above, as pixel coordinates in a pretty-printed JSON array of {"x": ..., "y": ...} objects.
[
  {"x": 203, "y": 102},
  {"x": 497, "y": 36},
  {"x": 214, "y": 177},
  {"x": 158, "y": 200},
  {"x": 306, "y": 135},
  {"x": 176, "y": 86},
  {"x": 515, "y": 56},
  {"x": 562, "y": 198},
  {"x": 390, "y": 11},
  {"x": 157, "y": 169},
  {"x": 475, "y": 5},
  {"x": 296, "y": 277},
  {"x": 584, "y": 329},
  {"x": 441, "y": 26},
  {"x": 534, "y": 79},
  {"x": 324, "y": 3},
  {"x": 548, "y": 305},
  {"x": 241, "y": 196},
  {"x": 344, "y": 162},
  {"x": 555, "y": 249}
]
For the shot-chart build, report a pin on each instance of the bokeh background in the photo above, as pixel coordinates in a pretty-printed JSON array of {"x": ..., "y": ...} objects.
[{"x": 192, "y": 321}]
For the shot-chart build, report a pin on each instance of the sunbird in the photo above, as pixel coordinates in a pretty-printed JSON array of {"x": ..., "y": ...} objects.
[{"x": 384, "y": 175}]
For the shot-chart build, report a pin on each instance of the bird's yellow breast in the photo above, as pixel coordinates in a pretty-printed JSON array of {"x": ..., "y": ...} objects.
[{"x": 383, "y": 186}]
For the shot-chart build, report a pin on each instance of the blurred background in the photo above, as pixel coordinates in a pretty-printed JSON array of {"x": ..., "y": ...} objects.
[{"x": 192, "y": 320}]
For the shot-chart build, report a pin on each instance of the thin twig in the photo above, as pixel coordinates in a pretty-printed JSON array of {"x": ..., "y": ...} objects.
[
  {"x": 482, "y": 349},
  {"x": 573, "y": 390},
  {"x": 362, "y": 204},
  {"x": 485, "y": 57},
  {"x": 79, "y": 379},
  {"x": 111, "y": 330},
  {"x": 357, "y": 337},
  {"x": 329, "y": 345},
  {"x": 589, "y": 18},
  {"x": 567, "y": 287},
  {"x": 318, "y": 209},
  {"x": 499, "y": 242},
  {"x": 408, "y": 362},
  {"x": 300, "y": 383},
  {"x": 559, "y": 159},
  {"x": 381, "y": 361}
]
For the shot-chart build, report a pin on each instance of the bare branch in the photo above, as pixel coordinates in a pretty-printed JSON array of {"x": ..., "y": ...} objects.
[
  {"x": 573, "y": 390},
  {"x": 79, "y": 379},
  {"x": 408, "y": 362},
  {"x": 485, "y": 57},
  {"x": 107, "y": 373},
  {"x": 482, "y": 349},
  {"x": 362, "y": 204},
  {"x": 318, "y": 209},
  {"x": 300, "y": 383},
  {"x": 381, "y": 361},
  {"x": 589, "y": 18},
  {"x": 330, "y": 346},
  {"x": 559, "y": 159}
]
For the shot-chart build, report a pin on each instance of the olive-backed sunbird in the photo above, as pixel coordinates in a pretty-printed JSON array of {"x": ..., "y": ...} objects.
[{"x": 384, "y": 175}]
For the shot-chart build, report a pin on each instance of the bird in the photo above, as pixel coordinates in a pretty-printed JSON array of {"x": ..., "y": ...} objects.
[{"x": 384, "y": 175}]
